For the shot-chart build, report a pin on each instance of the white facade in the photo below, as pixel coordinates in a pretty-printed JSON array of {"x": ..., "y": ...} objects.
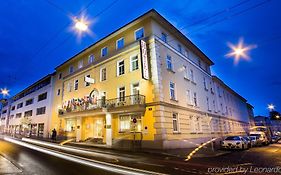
[{"x": 36, "y": 123}]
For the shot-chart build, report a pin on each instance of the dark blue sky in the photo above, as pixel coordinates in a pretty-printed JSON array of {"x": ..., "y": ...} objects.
[{"x": 27, "y": 25}]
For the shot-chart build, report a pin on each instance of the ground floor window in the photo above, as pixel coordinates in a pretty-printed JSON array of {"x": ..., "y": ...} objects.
[
  {"x": 130, "y": 123},
  {"x": 34, "y": 129},
  {"x": 175, "y": 122},
  {"x": 70, "y": 125},
  {"x": 40, "y": 129}
]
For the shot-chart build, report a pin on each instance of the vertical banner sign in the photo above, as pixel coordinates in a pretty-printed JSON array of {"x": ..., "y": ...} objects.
[{"x": 144, "y": 60}]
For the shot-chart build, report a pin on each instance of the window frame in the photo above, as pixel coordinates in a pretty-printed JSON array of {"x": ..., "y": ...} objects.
[
  {"x": 102, "y": 51},
  {"x": 131, "y": 62},
  {"x": 172, "y": 89},
  {"x": 175, "y": 122},
  {"x": 76, "y": 85},
  {"x": 118, "y": 71},
  {"x": 101, "y": 74},
  {"x": 122, "y": 38},
  {"x": 141, "y": 28}
]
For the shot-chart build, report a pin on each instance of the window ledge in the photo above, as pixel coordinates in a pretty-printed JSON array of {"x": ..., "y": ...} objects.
[
  {"x": 190, "y": 104},
  {"x": 193, "y": 82},
  {"x": 176, "y": 132},
  {"x": 170, "y": 70},
  {"x": 206, "y": 89},
  {"x": 175, "y": 100},
  {"x": 186, "y": 78}
]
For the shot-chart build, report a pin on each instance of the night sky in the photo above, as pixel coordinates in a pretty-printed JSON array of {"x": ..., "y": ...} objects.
[{"x": 36, "y": 36}]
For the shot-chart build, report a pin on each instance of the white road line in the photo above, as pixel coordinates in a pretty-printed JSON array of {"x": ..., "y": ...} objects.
[{"x": 89, "y": 162}]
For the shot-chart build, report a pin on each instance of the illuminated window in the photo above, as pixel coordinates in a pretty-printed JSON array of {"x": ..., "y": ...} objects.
[
  {"x": 134, "y": 63},
  {"x": 87, "y": 83},
  {"x": 175, "y": 122},
  {"x": 127, "y": 124},
  {"x": 103, "y": 74}
]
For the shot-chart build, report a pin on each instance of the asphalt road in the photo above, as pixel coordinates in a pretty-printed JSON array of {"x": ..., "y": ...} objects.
[{"x": 21, "y": 160}]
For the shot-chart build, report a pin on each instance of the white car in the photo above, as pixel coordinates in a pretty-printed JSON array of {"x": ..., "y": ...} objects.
[
  {"x": 234, "y": 142},
  {"x": 254, "y": 140}
]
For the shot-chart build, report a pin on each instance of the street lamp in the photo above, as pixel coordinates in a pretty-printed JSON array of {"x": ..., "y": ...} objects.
[
  {"x": 271, "y": 107},
  {"x": 239, "y": 51},
  {"x": 277, "y": 116},
  {"x": 4, "y": 92},
  {"x": 81, "y": 25}
]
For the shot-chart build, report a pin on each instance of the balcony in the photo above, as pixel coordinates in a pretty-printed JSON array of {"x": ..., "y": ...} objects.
[{"x": 90, "y": 104}]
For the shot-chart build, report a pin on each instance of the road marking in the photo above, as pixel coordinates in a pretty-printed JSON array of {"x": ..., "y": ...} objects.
[
  {"x": 89, "y": 162},
  {"x": 150, "y": 164}
]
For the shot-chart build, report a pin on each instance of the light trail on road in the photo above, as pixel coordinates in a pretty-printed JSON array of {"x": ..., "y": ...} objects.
[{"x": 81, "y": 160}]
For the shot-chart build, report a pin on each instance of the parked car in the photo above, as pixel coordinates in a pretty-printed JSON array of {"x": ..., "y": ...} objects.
[
  {"x": 275, "y": 139},
  {"x": 261, "y": 137},
  {"x": 254, "y": 140},
  {"x": 248, "y": 140},
  {"x": 234, "y": 142}
]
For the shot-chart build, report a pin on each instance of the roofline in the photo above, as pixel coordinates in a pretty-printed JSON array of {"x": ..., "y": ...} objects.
[
  {"x": 134, "y": 20},
  {"x": 38, "y": 81},
  {"x": 222, "y": 83}
]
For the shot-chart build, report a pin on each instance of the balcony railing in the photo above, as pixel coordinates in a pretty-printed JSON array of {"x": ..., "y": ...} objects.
[{"x": 77, "y": 105}]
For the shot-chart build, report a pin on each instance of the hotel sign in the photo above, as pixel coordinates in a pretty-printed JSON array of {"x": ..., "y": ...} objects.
[
  {"x": 89, "y": 80},
  {"x": 144, "y": 60}
]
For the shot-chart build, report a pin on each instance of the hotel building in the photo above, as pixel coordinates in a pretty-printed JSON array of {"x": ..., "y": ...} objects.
[
  {"x": 28, "y": 113},
  {"x": 145, "y": 85}
]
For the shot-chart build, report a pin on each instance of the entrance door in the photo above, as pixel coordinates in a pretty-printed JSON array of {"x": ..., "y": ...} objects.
[{"x": 98, "y": 129}]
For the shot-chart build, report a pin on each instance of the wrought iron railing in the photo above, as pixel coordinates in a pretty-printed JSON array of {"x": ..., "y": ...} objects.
[{"x": 77, "y": 105}]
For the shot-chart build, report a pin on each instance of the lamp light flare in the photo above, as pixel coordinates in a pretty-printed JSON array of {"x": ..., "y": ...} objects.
[
  {"x": 81, "y": 25},
  {"x": 4, "y": 92},
  {"x": 271, "y": 107},
  {"x": 240, "y": 51}
]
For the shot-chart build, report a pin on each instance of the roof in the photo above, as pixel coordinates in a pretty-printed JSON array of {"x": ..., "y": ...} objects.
[
  {"x": 33, "y": 84},
  {"x": 226, "y": 86},
  {"x": 150, "y": 13}
]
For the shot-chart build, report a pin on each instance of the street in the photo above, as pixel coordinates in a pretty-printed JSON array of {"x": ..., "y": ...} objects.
[{"x": 27, "y": 161}]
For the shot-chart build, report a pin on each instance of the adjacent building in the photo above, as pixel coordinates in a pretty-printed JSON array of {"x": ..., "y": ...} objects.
[
  {"x": 28, "y": 113},
  {"x": 144, "y": 85}
]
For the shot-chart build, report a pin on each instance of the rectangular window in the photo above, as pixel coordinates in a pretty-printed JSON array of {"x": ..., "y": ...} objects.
[
  {"x": 191, "y": 75},
  {"x": 130, "y": 123},
  {"x": 11, "y": 116},
  {"x": 76, "y": 82},
  {"x": 124, "y": 123},
  {"x": 91, "y": 58},
  {"x": 104, "y": 52},
  {"x": 71, "y": 69},
  {"x": 19, "y": 105},
  {"x": 214, "y": 106},
  {"x": 179, "y": 48},
  {"x": 195, "y": 123},
  {"x": 195, "y": 103},
  {"x": 120, "y": 43},
  {"x": 205, "y": 83},
  {"x": 172, "y": 91},
  {"x": 13, "y": 108},
  {"x": 134, "y": 63},
  {"x": 164, "y": 37},
  {"x": 87, "y": 83},
  {"x": 60, "y": 76},
  {"x": 4, "y": 112},
  {"x": 121, "y": 93},
  {"x": 139, "y": 33},
  {"x": 185, "y": 71},
  {"x": 120, "y": 67},
  {"x": 208, "y": 103},
  {"x": 188, "y": 97},
  {"x": 40, "y": 111},
  {"x": 103, "y": 74},
  {"x": 18, "y": 115},
  {"x": 69, "y": 87},
  {"x": 42, "y": 96},
  {"x": 28, "y": 113},
  {"x": 80, "y": 64},
  {"x": 175, "y": 122},
  {"x": 29, "y": 102},
  {"x": 58, "y": 92},
  {"x": 169, "y": 62}
]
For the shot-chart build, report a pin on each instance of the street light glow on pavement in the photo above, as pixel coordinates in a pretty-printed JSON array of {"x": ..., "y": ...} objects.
[{"x": 85, "y": 161}]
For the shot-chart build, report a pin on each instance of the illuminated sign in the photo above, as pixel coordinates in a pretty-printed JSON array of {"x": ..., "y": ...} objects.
[
  {"x": 89, "y": 80},
  {"x": 144, "y": 60}
]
